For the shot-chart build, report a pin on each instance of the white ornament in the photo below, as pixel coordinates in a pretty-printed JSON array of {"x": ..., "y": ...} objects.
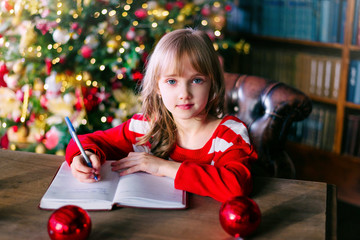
[
  {"x": 91, "y": 41},
  {"x": 11, "y": 80},
  {"x": 69, "y": 98},
  {"x": 61, "y": 36},
  {"x": 52, "y": 87}
]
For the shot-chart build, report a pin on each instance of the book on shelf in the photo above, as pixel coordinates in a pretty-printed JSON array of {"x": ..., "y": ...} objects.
[
  {"x": 358, "y": 26},
  {"x": 353, "y": 72},
  {"x": 355, "y": 27},
  {"x": 357, "y": 85},
  {"x": 329, "y": 128},
  {"x": 304, "y": 20},
  {"x": 342, "y": 21},
  {"x": 314, "y": 20},
  {"x": 324, "y": 24},
  {"x": 320, "y": 76},
  {"x": 353, "y": 87},
  {"x": 336, "y": 78},
  {"x": 317, "y": 130},
  {"x": 314, "y": 74},
  {"x": 141, "y": 190},
  {"x": 352, "y": 135},
  {"x": 327, "y": 78}
]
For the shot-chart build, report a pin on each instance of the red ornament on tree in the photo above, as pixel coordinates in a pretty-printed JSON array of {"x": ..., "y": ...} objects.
[
  {"x": 69, "y": 222},
  {"x": 48, "y": 64},
  {"x": 240, "y": 216},
  {"x": 89, "y": 98},
  {"x": 141, "y": 13},
  {"x": 3, "y": 72},
  {"x": 86, "y": 51}
]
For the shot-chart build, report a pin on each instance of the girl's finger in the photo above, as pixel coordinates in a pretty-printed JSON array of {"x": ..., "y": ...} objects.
[
  {"x": 123, "y": 164},
  {"x": 83, "y": 177}
]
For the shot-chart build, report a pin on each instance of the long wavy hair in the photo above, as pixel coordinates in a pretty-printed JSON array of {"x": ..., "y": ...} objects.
[{"x": 169, "y": 52}]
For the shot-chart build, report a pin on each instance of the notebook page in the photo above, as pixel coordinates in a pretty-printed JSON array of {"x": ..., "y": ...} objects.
[
  {"x": 145, "y": 190},
  {"x": 66, "y": 189}
]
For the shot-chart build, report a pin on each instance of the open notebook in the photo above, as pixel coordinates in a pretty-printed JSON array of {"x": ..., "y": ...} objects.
[{"x": 140, "y": 189}]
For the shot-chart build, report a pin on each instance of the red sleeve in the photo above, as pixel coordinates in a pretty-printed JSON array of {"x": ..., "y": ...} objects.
[
  {"x": 230, "y": 176},
  {"x": 110, "y": 144}
]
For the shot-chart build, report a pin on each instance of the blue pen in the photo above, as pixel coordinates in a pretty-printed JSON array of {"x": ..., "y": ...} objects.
[{"x": 76, "y": 139}]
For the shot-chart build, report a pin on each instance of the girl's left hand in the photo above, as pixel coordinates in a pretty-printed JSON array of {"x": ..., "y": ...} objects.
[{"x": 141, "y": 161}]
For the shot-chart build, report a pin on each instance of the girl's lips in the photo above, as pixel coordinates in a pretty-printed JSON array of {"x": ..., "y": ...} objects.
[{"x": 185, "y": 106}]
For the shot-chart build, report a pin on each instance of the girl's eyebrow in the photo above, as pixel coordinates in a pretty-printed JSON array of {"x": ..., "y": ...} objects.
[{"x": 176, "y": 75}]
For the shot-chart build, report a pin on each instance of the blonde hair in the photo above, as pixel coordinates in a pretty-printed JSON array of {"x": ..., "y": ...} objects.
[{"x": 169, "y": 52}]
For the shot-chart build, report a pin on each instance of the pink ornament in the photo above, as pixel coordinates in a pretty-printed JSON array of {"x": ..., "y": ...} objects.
[
  {"x": 45, "y": 13},
  {"x": 43, "y": 26},
  {"x": 19, "y": 95},
  {"x": 141, "y": 13},
  {"x": 205, "y": 11},
  {"x": 69, "y": 222},
  {"x": 240, "y": 216},
  {"x": 44, "y": 101},
  {"x": 74, "y": 26},
  {"x": 52, "y": 138},
  {"x": 86, "y": 51}
]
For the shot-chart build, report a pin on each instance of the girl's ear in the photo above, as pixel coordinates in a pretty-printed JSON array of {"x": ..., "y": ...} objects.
[{"x": 157, "y": 89}]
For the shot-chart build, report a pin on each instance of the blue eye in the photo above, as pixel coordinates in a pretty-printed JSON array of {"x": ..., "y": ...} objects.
[
  {"x": 198, "y": 80},
  {"x": 171, "y": 81}
]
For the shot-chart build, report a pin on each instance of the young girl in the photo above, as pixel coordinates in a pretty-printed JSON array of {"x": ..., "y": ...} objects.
[{"x": 180, "y": 133}]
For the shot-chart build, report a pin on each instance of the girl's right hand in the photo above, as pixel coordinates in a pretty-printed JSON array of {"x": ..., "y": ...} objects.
[{"x": 82, "y": 172}]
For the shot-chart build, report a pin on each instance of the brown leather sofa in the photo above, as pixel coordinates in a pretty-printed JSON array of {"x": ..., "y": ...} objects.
[{"x": 268, "y": 108}]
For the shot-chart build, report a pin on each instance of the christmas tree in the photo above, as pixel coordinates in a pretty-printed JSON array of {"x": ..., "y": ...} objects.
[{"x": 84, "y": 59}]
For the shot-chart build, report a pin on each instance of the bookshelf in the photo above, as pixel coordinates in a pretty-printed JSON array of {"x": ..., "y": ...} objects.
[{"x": 341, "y": 52}]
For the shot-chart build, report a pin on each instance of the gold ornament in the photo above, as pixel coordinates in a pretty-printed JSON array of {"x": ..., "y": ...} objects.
[
  {"x": 187, "y": 10},
  {"x": 180, "y": 18},
  {"x": 38, "y": 85},
  {"x": 8, "y": 102},
  {"x": 18, "y": 10},
  {"x": 22, "y": 134},
  {"x": 13, "y": 147},
  {"x": 40, "y": 148},
  {"x": 33, "y": 7},
  {"x": 60, "y": 152},
  {"x": 160, "y": 13},
  {"x": 28, "y": 38},
  {"x": 60, "y": 108},
  {"x": 218, "y": 21},
  {"x": 112, "y": 46},
  {"x": 239, "y": 46},
  {"x": 18, "y": 67}
]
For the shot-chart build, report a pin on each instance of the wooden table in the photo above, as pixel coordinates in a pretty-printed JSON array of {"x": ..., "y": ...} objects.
[{"x": 290, "y": 209}]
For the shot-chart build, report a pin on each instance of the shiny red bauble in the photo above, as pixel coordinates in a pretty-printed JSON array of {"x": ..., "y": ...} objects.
[
  {"x": 240, "y": 216},
  {"x": 69, "y": 222}
]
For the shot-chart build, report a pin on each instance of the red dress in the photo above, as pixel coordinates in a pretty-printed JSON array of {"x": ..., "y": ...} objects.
[{"x": 220, "y": 169}]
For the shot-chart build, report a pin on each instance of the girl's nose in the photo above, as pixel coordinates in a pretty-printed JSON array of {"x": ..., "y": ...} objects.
[{"x": 185, "y": 92}]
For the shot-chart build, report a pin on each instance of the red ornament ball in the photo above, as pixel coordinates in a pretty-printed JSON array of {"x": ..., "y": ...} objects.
[
  {"x": 86, "y": 51},
  {"x": 69, "y": 222},
  {"x": 240, "y": 216}
]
